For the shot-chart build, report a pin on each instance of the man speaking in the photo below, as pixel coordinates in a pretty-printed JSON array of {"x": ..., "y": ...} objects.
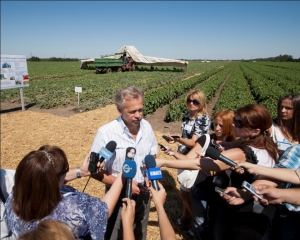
[{"x": 128, "y": 130}]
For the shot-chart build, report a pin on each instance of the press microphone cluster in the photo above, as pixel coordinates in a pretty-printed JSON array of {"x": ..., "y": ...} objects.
[
  {"x": 129, "y": 170},
  {"x": 104, "y": 153},
  {"x": 216, "y": 154},
  {"x": 153, "y": 172}
]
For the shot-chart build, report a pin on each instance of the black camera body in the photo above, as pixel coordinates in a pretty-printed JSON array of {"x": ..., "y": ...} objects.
[{"x": 94, "y": 159}]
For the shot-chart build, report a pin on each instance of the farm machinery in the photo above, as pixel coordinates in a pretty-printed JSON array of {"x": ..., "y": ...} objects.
[{"x": 114, "y": 64}]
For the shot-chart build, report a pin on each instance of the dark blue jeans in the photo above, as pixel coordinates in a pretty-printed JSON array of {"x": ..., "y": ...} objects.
[{"x": 199, "y": 207}]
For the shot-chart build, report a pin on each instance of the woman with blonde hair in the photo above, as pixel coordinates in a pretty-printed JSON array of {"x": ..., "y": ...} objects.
[
  {"x": 202, "y": 192},
  {"x": 49, "y": 230},
  {"x": 195, "y": 124},
  {"x": 251, "y": 124},
  {"x": 39, "y": 193}
]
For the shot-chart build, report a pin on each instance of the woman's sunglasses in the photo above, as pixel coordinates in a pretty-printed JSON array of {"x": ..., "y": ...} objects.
[
  {"x": 63, "y": 172},
  {"x": 195, "y": 102},
  {"x": 238, "y": 123}
]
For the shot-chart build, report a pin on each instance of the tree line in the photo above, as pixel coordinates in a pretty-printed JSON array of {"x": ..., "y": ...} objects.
[
  {"x": 52, "y": 59},
  {"x": 280, "y": 58}
]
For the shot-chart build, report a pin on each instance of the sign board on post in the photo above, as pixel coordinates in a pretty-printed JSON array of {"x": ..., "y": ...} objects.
[
  {"x": 14, "y": 73},
  {"x": 78, "y": 90}
]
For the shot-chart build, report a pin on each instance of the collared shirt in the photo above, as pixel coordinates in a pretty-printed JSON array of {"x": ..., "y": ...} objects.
[
  {"x": 116, "y": 130},
  {"x": 291, "y": 160},
  {"x": 83, "y": 214}
]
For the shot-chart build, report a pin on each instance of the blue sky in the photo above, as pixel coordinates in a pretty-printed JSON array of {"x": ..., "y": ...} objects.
[{"x": 179, "y": 29}]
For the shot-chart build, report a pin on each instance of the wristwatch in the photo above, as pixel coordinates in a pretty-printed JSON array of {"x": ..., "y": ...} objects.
[{"x": 78, "y": 172}]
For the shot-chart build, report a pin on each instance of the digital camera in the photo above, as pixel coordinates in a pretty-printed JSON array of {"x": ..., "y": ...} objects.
[{"x": 94, "y": 158}]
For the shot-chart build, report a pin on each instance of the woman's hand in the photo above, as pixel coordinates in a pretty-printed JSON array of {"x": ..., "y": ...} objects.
[
  {"x": 238, "y": 197},
  {"x": 170, "y": 151},
  {"x": 171, "y": 140},
  {"x": 159, "y": 197},
  {"x": 240, "y": 168},
  {"x": 128, "y": 210}
]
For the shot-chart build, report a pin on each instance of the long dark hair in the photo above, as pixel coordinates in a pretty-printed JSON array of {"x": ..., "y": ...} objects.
[
  {"x": 258, "y": 117},
  {"x": 295, "y": 121},
  {"x": 36, "y": 190}
]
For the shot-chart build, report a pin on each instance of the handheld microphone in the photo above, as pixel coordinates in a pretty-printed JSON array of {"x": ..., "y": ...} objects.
[
  {"x": 216, "y": 154},
  {"x": 105, "y": 153},
  {"x": 129, "y": 170},
  {"x": 153, "y": 172}
]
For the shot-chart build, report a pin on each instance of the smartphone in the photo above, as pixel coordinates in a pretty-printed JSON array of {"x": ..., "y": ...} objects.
[
  {"x": 162, "y": 147},
  {"x": 216, "y": 145},
  {"x": 175, "y": 136},
  {"x": 251, "y": 189},
  {"x": 220, "y": 190},
  {"x": 166, "y": 138}
]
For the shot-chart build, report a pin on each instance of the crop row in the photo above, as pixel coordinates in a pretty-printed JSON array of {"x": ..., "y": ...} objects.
[
  {"x": 265, "y": 91},
  {"x": 157, "y": 98},
  {"x": 176, "y": 111},
  {"x": 235, "y": 92},
  {"x": 97, "y": 89}
]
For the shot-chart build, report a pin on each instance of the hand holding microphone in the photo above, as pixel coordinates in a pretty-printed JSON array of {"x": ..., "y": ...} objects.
[
  {"x": 154, "y": 173},
  {"x": 129, "y": 170},
  {"x": 216, "y": 154},
  {"x": 105, "y": 153}
]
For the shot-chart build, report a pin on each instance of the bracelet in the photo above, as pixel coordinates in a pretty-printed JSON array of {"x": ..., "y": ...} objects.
[
  {"x": 297, "y": 174},
  {"x": 78, "y": 172}
]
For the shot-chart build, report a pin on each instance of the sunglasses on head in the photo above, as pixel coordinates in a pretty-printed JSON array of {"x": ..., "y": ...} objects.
[
  {"x": 195, "y": 102},
  {"x": 238, "y": 123}
]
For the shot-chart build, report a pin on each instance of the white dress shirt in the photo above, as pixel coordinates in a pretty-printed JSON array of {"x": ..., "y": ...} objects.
[{"x": 145, "y": 144}]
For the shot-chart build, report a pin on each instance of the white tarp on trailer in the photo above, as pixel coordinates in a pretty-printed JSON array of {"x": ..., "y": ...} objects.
[
  {"x": 141, "y": 59},
  {"x": 154, "y": 61}
]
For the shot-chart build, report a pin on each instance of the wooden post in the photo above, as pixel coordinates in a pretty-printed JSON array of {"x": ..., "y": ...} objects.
[{"x": 22, "y": 98}]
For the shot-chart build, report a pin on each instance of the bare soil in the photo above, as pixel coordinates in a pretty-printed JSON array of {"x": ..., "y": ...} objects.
[{"x": 74, "y": 131}]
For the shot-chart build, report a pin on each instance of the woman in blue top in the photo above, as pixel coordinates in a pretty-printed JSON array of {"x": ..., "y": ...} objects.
[{"x": 39, "y": 193}]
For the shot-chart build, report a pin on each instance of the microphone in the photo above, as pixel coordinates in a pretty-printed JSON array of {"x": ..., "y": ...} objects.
[
  {"x": 105, "y": 153},
  {"x": 129, "y": 170},
  {"x": 216, "y": 154},
  {"x": 153, "y": 172}
]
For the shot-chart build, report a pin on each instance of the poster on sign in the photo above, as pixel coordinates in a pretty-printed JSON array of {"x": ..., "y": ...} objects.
[{"x": 14, "y": 72}]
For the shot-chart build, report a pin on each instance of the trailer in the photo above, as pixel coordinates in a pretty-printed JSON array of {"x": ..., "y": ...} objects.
[
  {"x": 108, "y": 65},
  {"x": 118, "y": 62},
  {"x": 127, "y": 59}
]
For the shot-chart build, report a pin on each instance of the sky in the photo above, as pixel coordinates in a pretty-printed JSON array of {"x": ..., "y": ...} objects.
[{"x": 211, "y": 30}]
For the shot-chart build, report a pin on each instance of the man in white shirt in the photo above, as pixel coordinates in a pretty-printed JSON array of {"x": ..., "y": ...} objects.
[{"x": 128, "y": 130}]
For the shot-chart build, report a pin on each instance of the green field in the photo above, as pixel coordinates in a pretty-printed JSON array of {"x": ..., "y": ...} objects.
[{"x": 52, "y": 84}]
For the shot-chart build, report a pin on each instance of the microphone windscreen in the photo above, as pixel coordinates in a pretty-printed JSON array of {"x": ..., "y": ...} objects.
[
  {"x": 150, "y": 161},
  {"x": 212, "y": 153},
  {"x": 130, "y": 153},
  {"x": 111, "y": 146},
  {"x": 129, "y": 169},
  {"x": 201, "y": 140}
]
